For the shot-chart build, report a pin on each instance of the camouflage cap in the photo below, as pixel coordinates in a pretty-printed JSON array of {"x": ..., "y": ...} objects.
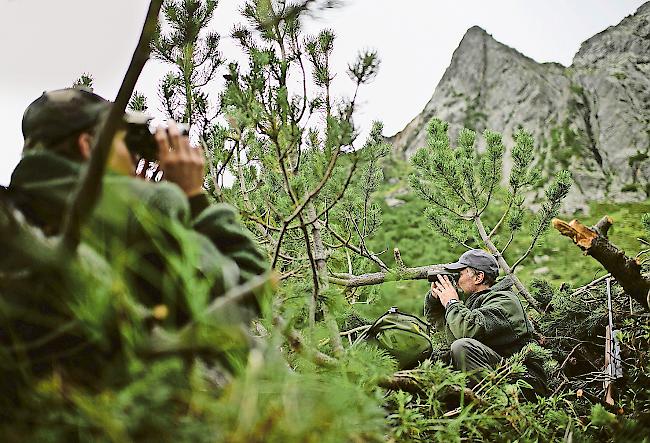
[{"x": 58, "y": 114}]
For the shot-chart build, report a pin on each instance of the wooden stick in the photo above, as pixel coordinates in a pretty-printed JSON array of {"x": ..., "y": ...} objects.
[{"x": 90, "y": 187}]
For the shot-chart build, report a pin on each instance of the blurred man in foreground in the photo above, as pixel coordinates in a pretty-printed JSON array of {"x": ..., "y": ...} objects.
[{"x": 154, "y": 231}]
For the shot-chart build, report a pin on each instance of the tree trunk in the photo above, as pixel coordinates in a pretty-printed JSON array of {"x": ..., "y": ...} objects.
[
  {"x": 320, "y": 258},
  {"x": 320, "y": 253},
  {"x": 593, "y": 241},
  {"x": 504, "y": 265}
]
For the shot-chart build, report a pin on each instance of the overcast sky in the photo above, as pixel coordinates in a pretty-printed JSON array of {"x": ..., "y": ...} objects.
[{"x": 47, "y": 44}]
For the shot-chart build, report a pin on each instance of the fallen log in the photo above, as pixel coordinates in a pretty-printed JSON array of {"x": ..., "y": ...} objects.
[{"x": 594, "y": 242}]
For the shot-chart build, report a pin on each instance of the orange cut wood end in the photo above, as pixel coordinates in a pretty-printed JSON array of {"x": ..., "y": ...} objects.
[{"x": 579, "y": 233}]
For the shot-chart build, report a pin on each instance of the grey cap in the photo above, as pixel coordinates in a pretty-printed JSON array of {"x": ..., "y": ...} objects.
[{"x": 477, "y": 259}]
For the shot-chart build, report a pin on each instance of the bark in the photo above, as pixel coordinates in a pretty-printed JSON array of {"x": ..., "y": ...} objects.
[
  {"x": 320, "y": 253},
  {"x": 594, "y": 242},
  {"x": 375, "y": 278},
  {"x": 90, "y": 187}
]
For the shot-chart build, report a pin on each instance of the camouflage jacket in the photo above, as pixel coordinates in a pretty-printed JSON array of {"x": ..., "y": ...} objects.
[
  {"x": 151, "y": 229},
  {"x": 494, "y": 317}
]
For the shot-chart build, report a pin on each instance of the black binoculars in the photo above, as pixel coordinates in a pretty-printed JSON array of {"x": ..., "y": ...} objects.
[
  {"x": 141, "y": 142},
  {"x": 433, "y": 274}
]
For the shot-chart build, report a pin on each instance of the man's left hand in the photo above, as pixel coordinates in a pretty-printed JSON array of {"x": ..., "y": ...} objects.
[{"x": 444, "y": 289}]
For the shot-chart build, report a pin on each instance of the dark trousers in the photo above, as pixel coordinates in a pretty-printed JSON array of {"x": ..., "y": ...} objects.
[{"x": 468, "y": 354}]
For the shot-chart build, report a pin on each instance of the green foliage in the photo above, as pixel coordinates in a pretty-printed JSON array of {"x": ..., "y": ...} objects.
[
  {"x": 432, "y": 416},
  {"x": 138, "y": 102},
  {"x": 117, "y": 369},
  {"x": 461, "y": 187},
  {"x": 84, "y": 81},
  {"x": 183, "y": 41},
  {"x": 304, "y": 191}
]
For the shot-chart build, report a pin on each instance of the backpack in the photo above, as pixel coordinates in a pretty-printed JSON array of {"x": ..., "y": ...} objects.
[{"x": 404, "y": 336}]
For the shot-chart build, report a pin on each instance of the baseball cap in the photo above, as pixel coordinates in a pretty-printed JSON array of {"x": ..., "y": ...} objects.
[
  {"x": 60, "y": 113},
  {"x": 477, "y": 259}
]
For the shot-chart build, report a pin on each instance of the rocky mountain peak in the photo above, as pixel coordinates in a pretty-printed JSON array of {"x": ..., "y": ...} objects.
[{"x": 592, "y": 118}]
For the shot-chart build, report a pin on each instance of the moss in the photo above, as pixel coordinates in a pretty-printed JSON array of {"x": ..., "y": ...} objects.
[
  {"x": 577, "y": 89},
  {"x": 630, "y": 187},
  {"x": 474, "y": 119},
  {"x": 639, "y": 157}
]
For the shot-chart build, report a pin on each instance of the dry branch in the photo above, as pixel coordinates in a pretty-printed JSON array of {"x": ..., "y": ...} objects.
[
  {"x": 593, "y": 241},
  {"x": 90, "y": 187},
  {"x": 375, "y": 278}
]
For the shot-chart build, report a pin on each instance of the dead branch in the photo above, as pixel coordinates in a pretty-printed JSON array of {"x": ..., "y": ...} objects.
[
  {"x": 90, "y": 187},
  {"x": 593, "y": 241},
  {"x": 590, "y": 285},
  {"x": 375, "y": 278},
  {"x": 355, "y": 330}
]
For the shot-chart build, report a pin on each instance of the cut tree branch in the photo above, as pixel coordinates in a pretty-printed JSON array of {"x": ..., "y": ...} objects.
[{"x": 593, "y": 241}]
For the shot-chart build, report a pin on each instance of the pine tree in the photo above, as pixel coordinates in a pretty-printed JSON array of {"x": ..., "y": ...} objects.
[
  {"x": 84, "y": 81},
  {"x": 290, "y": 149},
  {"x": 185, "y": 42},
  {"x": 460, "y": 184}
]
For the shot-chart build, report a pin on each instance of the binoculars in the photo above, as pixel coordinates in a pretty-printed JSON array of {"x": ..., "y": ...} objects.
[
  {"x": 140, "y": 139},
  {"x": 432, "y": 275}
]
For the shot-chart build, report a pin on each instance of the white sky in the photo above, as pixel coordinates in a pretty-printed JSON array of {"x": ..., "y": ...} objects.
[{"x": 47, "y": 44}]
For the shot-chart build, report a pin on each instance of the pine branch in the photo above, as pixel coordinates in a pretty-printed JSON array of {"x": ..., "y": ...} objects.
[
  {"x": 501, "y": 220},
  {"x": 512, "y": 236},
  {"x": 346, "y": 243}
]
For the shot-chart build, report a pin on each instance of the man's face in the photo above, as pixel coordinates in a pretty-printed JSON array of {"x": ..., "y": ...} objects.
[
  {"x": 120, "y": 159},
  {"x": 468, "y": 280}
]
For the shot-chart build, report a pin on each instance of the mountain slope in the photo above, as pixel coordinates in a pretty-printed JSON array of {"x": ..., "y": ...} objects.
[{"x": 592, "y": 117}]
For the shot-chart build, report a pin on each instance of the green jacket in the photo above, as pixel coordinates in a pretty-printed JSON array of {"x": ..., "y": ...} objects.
[
  {"x": 494, "y": 317},
  {"x": 147, "y": 228}
]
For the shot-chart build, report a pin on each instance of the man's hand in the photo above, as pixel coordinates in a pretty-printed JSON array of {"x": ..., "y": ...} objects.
[
  {"x": 444, "y": 290},
  {"x": 181, "y": 164}
]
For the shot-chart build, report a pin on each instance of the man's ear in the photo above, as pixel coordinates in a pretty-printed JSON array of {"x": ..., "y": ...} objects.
[
  {"x": 84, "y": 142},
  {"x": 481, "y": 274}
]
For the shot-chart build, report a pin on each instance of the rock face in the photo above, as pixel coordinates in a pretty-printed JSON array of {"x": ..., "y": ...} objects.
[{"x": 592, "y": 118}]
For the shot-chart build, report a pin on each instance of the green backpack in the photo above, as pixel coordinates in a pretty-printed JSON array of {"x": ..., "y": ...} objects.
[{"x": 403, "y": 336}]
